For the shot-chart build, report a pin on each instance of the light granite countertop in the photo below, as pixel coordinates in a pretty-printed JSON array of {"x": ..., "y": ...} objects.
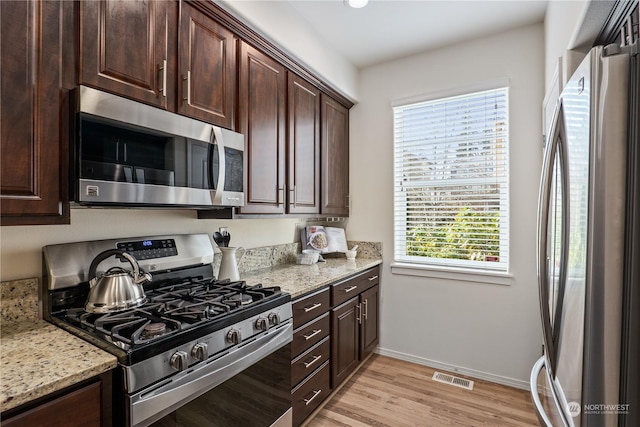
[
  {"x": 301, "y": 279},
  {"x": 36, "y": 357}
]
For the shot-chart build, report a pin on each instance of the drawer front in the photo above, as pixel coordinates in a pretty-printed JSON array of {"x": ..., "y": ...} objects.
[
  {"x": 342, "y": 291},
  {"x": 309, "y": 307},
  {"x": 310, "y": 334},
  {"x": 308, "y": 361},
  {"x": 307, "y": 396}
]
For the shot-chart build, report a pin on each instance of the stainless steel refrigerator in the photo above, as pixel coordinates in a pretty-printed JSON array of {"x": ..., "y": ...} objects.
[{"x": 588, "y": 244}]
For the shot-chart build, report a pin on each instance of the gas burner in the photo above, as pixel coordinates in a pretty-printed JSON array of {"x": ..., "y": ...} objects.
[
  {"x": 241, "y": 299},
  {"x": 153, "y": 330}
]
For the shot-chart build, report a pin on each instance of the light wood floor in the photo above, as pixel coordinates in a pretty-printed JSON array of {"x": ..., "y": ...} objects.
[{"x": 394, "y": 393}]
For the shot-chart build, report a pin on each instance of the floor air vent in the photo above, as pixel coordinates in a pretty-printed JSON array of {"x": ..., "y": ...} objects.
[{"x": 450, "y": 379}]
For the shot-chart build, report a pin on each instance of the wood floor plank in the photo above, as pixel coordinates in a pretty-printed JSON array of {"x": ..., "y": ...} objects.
[{"x": 388, "y": 392}]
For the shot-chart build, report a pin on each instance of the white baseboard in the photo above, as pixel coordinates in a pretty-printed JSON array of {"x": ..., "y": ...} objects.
[{"x": 512, "y": 382}]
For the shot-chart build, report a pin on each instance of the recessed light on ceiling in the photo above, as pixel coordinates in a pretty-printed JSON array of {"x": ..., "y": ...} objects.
[{"x": 356, "y": 4}]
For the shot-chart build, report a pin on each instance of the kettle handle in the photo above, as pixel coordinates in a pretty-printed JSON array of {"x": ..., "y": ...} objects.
[{"x": 108, "y": 253}]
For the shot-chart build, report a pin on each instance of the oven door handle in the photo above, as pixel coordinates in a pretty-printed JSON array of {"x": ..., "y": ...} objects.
[{"x": 148, "y": 406}]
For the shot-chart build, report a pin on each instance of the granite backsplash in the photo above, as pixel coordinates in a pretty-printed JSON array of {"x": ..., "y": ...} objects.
[{"x": 270, "y": 256}]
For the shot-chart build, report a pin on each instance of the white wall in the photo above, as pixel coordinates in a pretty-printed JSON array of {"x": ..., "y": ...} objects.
[
  {"x": 279, "y": 22},
  {"x": 22, "y": 246},
  {"x": 560, "y": 25},
  {"x": 487, "y": 330}
]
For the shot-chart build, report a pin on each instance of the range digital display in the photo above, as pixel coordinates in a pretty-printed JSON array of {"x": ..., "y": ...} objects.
[{"x": 148, "y": 249}]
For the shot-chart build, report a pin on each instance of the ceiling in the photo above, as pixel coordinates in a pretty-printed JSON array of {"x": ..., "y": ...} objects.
[{"x": 389, "y": 29}]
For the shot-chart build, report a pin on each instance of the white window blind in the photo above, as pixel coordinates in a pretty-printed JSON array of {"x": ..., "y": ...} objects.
[{"x": 451, "y": 172}]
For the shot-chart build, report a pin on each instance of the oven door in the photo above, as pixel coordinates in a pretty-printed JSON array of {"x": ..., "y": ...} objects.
[{"x": 247, "y": 386}]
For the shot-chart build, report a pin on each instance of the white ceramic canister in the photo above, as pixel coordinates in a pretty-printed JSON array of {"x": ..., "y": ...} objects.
[{"x": 229, "y": 263}]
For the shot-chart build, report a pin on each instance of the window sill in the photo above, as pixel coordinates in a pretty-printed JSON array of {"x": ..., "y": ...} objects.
[{"x": 452, "y": 273}]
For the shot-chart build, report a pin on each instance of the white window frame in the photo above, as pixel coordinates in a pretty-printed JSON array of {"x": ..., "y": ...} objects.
[{"x": 446, "y": 268}]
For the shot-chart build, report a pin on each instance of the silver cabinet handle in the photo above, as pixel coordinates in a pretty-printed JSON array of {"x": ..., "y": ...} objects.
[
  {"x": 371, "y": 279},
  {"x": 312, "y": 307},
  {"x": 315, "y": 394},
  {"x": 295, "y": 197},
  {"x": 314, "y": 360},
  {"x": 188, "y": 80},
  {"x": 350, "y": 288},
  {"x": 359, "y": 313},
  {"x": 280, "y": 199},
  {"x": 313, "y": 334},
  {"x": 163, "y": 68},
  {"x": 366, "y": 309}
]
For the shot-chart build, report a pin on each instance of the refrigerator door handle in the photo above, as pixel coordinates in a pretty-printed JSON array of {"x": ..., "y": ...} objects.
[
  {"x": 537, "y": 404},
  {"x": 543, "y": 227},
  {"x": 563, "y": 150}
]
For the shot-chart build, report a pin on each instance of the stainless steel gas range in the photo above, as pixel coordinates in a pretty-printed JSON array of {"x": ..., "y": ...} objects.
[{"x": 198, "y": 352}]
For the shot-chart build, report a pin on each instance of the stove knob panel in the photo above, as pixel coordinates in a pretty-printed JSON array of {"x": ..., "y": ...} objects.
[
  {"x": 234, "y": 336},
  {"x": 274, "y": 319},
  {"x": 200, "y": 351},
  {"x": 262, "y": 324},
  {"x": 179, "y": 360}
]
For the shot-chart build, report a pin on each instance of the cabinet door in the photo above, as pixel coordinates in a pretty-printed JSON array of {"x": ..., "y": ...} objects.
[
  {"x": 303, "y": 146},
  {"x": 207, "y": 69},
  {"x": 81, "y": 407},
  {"x": 345, "y": 340},
  {"x": 370, "y": 300},
  {"x": 262, "y": 91},
  {"x": 128, "y": 48},
  {"x": 32, "y": 185},
  {"x": 335, "y": 158}
]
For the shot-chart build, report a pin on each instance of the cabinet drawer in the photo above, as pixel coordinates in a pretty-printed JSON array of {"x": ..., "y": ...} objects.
[
  {"x": 304, "y": 364},
  {"x": 307, "y": 396},
  {"x": 310, "y": 334},
  {"x": 309, "y": 307},
  {"x": 342, "y": 291}
]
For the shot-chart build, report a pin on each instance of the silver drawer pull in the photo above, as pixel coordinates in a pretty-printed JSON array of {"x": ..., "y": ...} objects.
[
  {"x": 312, "y": 307},
  {"x": 371, "y": 279},
  {"x": 315, "y": 332},
  {"x": 350, "y": 288},
  {"x": 315, "y": 394},
  {"x": 314, "y": 360}
]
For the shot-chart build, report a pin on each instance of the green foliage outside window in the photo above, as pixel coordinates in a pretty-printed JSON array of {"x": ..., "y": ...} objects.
[{"x": 459, "y": 238}]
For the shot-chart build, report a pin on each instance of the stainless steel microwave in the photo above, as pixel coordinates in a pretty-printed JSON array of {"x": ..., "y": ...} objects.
[{"x": 129, "y": 154}]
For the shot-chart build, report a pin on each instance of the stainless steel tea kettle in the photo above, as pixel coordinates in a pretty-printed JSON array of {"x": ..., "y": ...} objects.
[{"x": 116, "y": 289}]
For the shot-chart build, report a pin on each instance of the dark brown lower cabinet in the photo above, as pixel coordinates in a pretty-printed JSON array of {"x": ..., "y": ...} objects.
[
  {"x": 87, "y": 405},
  {"x": 306, "y": 397},
  {"x": 345, "y": 335},
  {"x": 370, "y": 300},
  {"x": 322, "y": 359}
]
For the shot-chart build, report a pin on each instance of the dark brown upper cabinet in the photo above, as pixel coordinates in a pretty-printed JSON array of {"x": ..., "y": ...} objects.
[
  {"x": 303, "y": 144},
  {"x": 335, "y": 158},
  {"x": 262, "y": 90},
  {"x": 128, "y": 48},
  {"x": 207, "y": 68},
  {"x": 32, "y": 185}
]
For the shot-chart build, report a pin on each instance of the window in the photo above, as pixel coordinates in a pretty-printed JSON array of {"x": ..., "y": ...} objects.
[{"x": 451, "y": 189}]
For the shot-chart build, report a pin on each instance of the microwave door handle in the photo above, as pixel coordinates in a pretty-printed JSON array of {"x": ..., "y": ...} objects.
[
  {"x": 217, "y": 142},
  {"x": 543, "y": 224}
]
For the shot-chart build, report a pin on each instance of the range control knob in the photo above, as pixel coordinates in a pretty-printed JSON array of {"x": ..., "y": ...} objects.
[
  {"x": 200, "y": 351},
  {"x": 179, "y": 361},
  {"x": 234, "y": 336},
  {"x": 274, "y": 319},
  {"x": 262, "y": 324}
]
